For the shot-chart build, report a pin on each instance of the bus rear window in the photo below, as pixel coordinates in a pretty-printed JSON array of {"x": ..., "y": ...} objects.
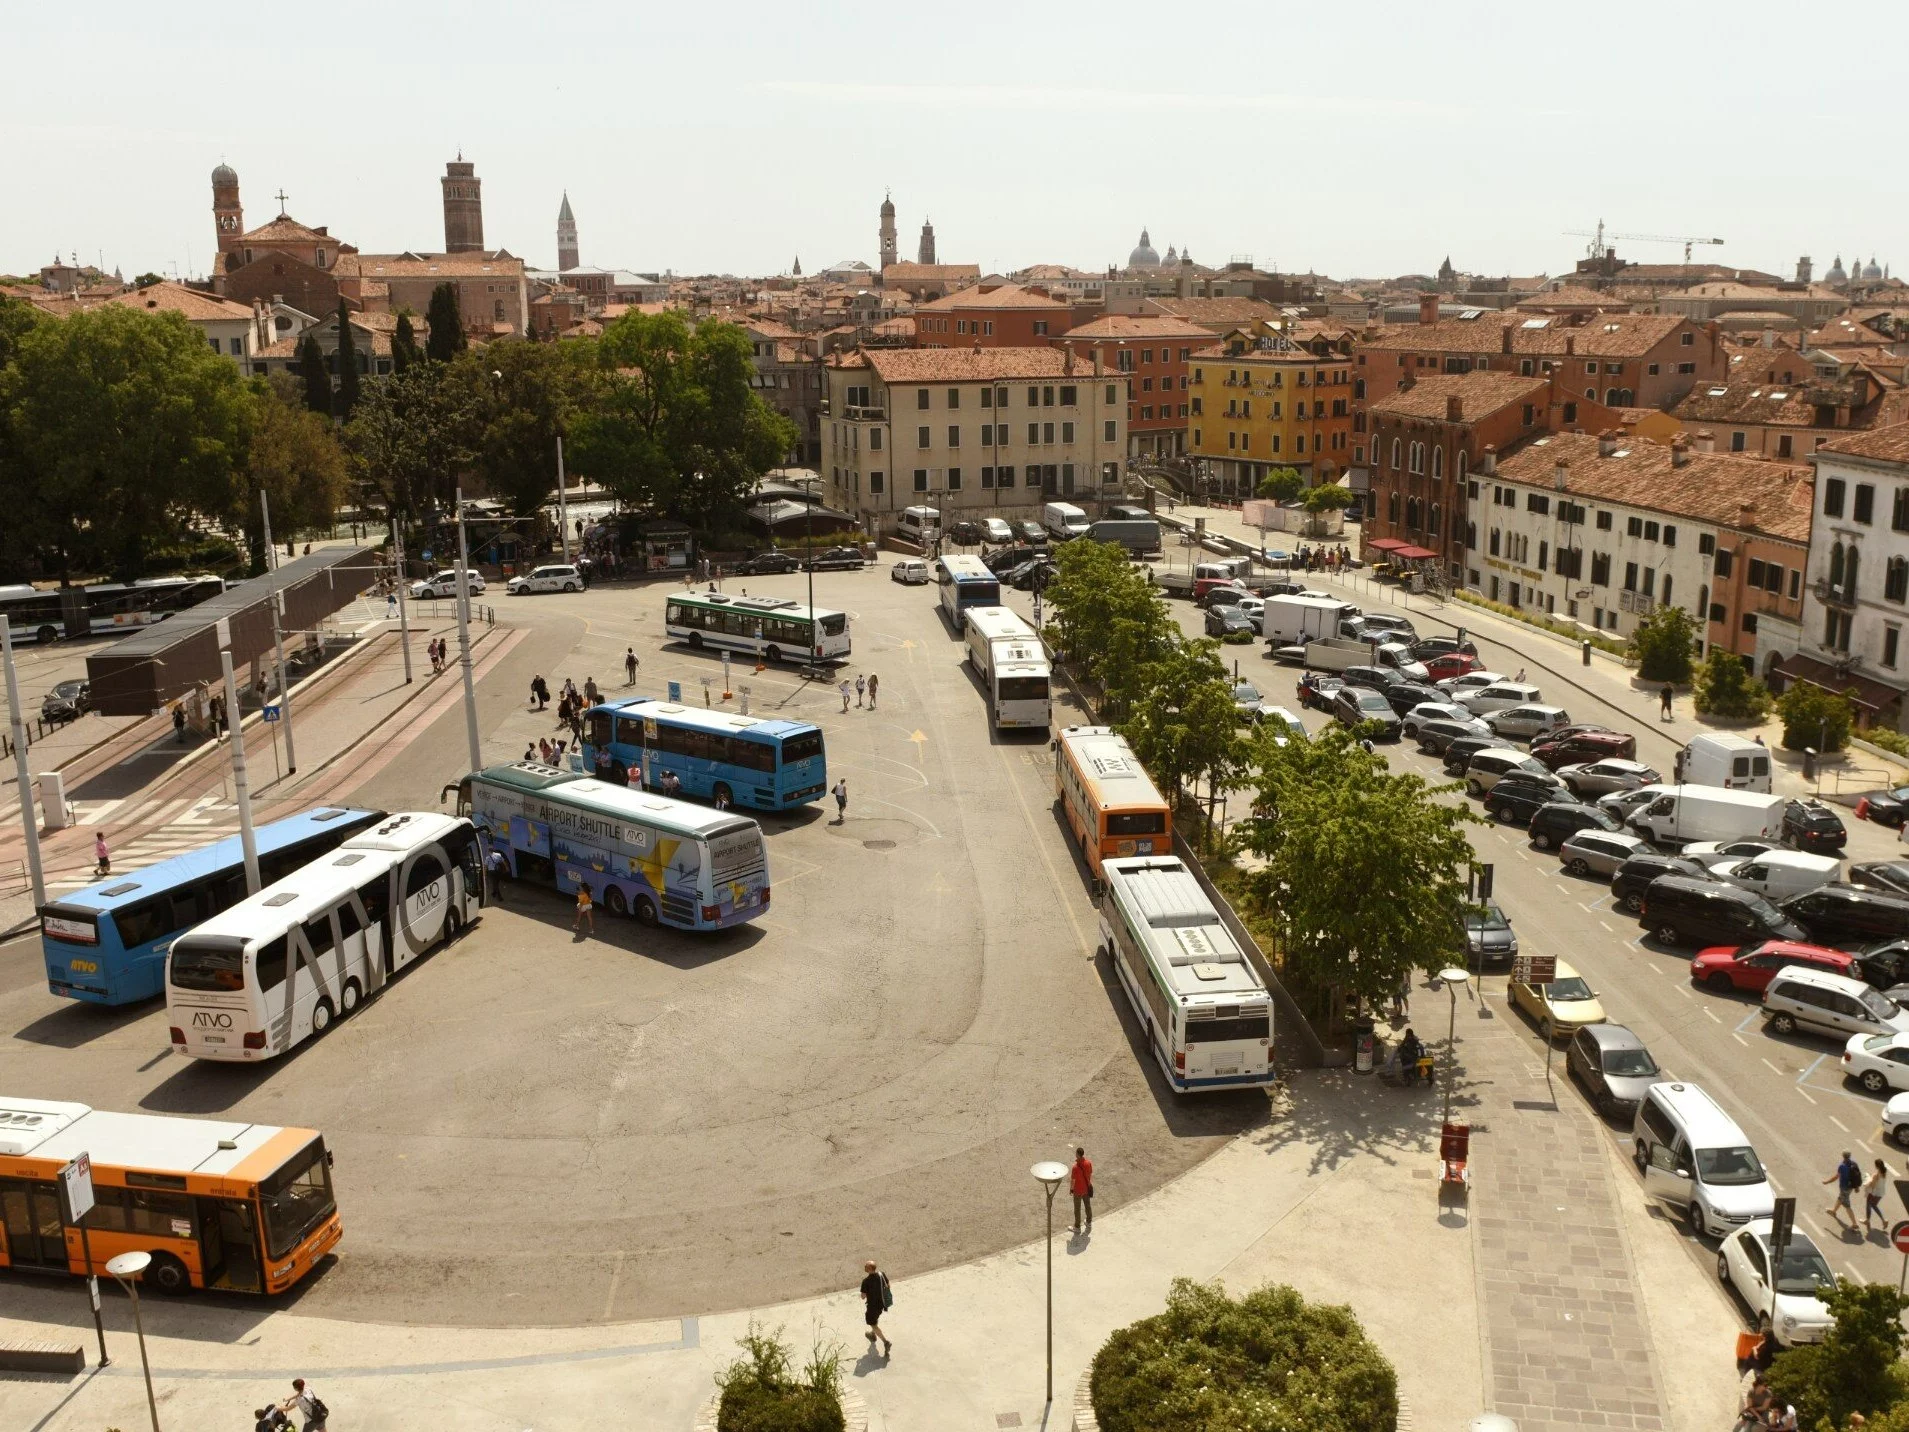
[
  {"x": 1229, "y": 1031},
  {"x": 801, "y": 748},
  {"x": 835, "y": 624},
  {"x": 1144, "y": 822},
  {"x": 80, "y": 927},
  {"x": 1024, "y": 688},
  {"x": 208, "y": 964}
]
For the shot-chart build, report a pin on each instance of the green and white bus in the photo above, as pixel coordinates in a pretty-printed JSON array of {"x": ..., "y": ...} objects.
[{"x": 774, "y": 628}]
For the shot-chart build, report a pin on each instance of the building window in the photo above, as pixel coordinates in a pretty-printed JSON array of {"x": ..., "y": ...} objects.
[
  {"x": 874, "y": 482},
  {"x": 1438, "y": 464},
  {"x": 1865, "y": 507},
  {"x": 922, "y": 437},
  {"x": 1833, "y": 497},
  {"x": 1686, "y": 367},
  {"x": 1895, "y": 581},
  {"x": 1783, "y": 445},
  {"x": 1040, "y": 328},
  {"x": 954, "y": 479},
  {"x": 1395, "y": 454},
  {"x": 1891, "y": 636},
  {"x": 921, "y": 479},
  {"x": 1070, "y": 395},
  {"x": 1067, "y": 432},
  {"x": 1604, "y": 522},
  {"x": 1047, "y": 432},
  {"x": 921, "y": 397},
  {"x": 1687, "y": 339},
  {"x": 1494, "y": 540},
  {"x": 1738, "y": 441},
  {"x": 1600, "y": 569},
  {"x": 1653, "y": 369}
]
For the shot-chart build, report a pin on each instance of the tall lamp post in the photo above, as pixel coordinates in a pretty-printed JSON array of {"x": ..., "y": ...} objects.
[
  {"x": 1049, "y": 1173},
  {"x": 126, "y": 1268},
  {"x": 1452, "y": 978}
]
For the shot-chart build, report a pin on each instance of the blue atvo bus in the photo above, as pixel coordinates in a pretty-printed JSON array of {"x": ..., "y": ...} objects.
[
  {"x": 107, "y": 943},
  {"x": 763, "y": 763}
]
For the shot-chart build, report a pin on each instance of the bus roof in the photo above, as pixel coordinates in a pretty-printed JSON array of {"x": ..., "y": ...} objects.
[
  {"x": 761, "y": 606},
  {"x": 705, "y": 719},
  {"x": 43, "y": 1129},
  {"x": 1190, "y": 944},
  {"x": 964, "y": 567},
  {"x": 1110, "y": 769},
  {"x": 220, "y": 855},
  {"x": 404, "y": 830},
  {"x": 681, "y": 818},
  {"x": 996, "y": 623}
]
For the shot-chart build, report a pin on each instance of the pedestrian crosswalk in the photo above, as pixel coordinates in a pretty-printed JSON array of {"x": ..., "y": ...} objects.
[{"x": 174, "y": 828}]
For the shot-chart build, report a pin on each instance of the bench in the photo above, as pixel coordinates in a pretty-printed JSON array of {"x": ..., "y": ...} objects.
[{"x": 66, "y": 1358}]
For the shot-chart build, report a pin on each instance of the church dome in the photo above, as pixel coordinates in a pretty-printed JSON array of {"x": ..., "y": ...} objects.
[
  {"x": 1143, "y": 255},
  {"x": 888, "y": 207},
  {"x": 225, "y": 174},
  {"x": 1872, "y": 270},
  {"x": 1836, "y": 274},
  {"x": 1172, "y": 257}
]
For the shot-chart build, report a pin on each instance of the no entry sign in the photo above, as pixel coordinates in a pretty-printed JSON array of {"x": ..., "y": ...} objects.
[{"x": 1899, "y": 1235}]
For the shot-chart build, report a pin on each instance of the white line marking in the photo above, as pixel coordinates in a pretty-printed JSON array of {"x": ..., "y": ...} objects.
[
  {"x": 1711, "y": 1014},
  {"x": 1607, "y": 929},
  {"x": 1740, "y": 1039},
  {"x": 1838, "y": 1122},
  {"x": 1774, "y": 1070},
  {"x": 1806, "y": 1096}
]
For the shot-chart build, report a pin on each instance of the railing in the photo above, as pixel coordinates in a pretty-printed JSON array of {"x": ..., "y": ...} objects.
[
  {"x": 863, "y": 414},
  {"x": 1834, "y": 596}
]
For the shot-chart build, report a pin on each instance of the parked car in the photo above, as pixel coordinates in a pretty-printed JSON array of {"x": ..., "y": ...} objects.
[
  {"x": 1891, "y": 876},
  {"x": 1613, "y": 1066},
  {"x": 1596, "y": 851},
  {"x": 1023, "y": 577},
  {"x": 1519, "y": 802},
  {"x": 1750, "y": 968},
  {"x": 1711, "y": 851},
  {"x": 1229, "y": 624},
  {"x": 1489, "y": 938},
  {"x": 1438, "y": 709},
  {"x": 67, "y": 701},
  {"x": 768, "y": 564},
  {"x": 965, "y": 533},
  {"x": 1850, "y": 915},
  {"x": 1428, "y": 647},
  {"x": 1006, "y": 559},
  {"x": 910, "y": 572},
  {"x": 1680, "y": 910},
  {"x": 1032, "y": 531},
  {"x": 1455, "y": 687},
  {"x": 1489, "y": 765},
  {"x": 1561, "y": 818},
  {"x": 836, "y": 559},
  {"x": 1499, "y": 696},
  {"x": 1435, "y": 735},
  {"x": 1811, "y": 825},
  {"x": 1406, "y": 696},
  {"x": 1622, "y": 803},
  {"x": 444, "y": 584},
  {"x": 1527, "y": 723},
  {"x": 1598, "y": 778},
  {"x": 1888, "y": 807},
  {"x": 1563, "y": 1006},
  {"x": 1248, "y": 704},
  {"x": 1387, "y": 627},
  {"x": 1788, "y": 1304},
  {"x": 1227, "y": 594},
  {"x": 1316, "y": 689},
  {"x": 1255, "y": 610},
  {"x": 1374, "y": 678},
  {"x": 1575, "y": 745},
  {"x": 1358, "y": 705},
  {"x": 1779, "y": 874},
  {"x": 1635, "y": 875},
  {"x": 1804, "y": 1000},
  {"x": 1879, "y": 1062},
  {"x": 1448, "y": 665},
  {"x": 1895, "y": 1120},
  {"x": 995, "y": 529},
  {"x": 1459, "y": 752},
  {"x": 560, "y": 578}
]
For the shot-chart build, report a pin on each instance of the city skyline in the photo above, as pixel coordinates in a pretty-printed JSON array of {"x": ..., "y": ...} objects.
[{"x": 1451, "y": 138}]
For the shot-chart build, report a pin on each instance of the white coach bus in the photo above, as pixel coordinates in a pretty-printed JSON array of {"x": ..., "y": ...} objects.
[
  {"x": 1207, "y": 1016},
  {"x": 1012, "y": 664},
  {"x": 285, "y": 963}
]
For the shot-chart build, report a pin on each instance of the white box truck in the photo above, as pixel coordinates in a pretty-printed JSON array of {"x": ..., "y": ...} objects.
[
  {"x": 1336, "y": 653},
  {"x": 1733, "y": 762},
  {"x": 1012, "y": 664},
  {"x": 1064, "y": 521},
  {"x": 1677, "y": 815},
  {"x": 1288, "y": 621}
]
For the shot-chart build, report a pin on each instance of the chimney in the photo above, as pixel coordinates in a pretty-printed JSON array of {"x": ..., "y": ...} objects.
[
  {"x": 1454, "y": 409},
  {"x": 1606, "y": 442},
  {"x": 1680, "y": 451},
  {"x": 1570, "y": 344},
  {"x": 1803, "y": 269},
  {"x": 1067, "y": 361},
  {"x": 1746, "y": 514},
  {"x": 1559, "y": 473},
  {"x": 1504, "y": 339},
  {"x": 977, "y": 346},
  {"x": 1100, "y": 365},
  {"x": 1491, "y": 460},
  {"x": 1706, "y": 441},
  {"x": 1769, "y": 338},
  {"x": 1428, "y": 308}
]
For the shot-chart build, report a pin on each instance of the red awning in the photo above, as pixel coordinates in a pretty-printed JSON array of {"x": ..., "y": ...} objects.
[
  {"x": 1414, "y": 554},
  {"x": 1385, "y": 544}
]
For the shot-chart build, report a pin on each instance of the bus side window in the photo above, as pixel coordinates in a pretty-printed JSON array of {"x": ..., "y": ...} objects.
[
  {"x": 596, "y": 728},
  {"x": 629, "y": 732},
  {"x": 228, "y": 889},
  {"x": 144, "y": 922},
  {"x": 318, "y": 934},
  {"x": 270, "y": 962},
  {"x": 188, "y": 907},
  {"x": 347, "y": 920},
  {"x": 424, "y": 870},
  {"x": 376, "y": 898}
]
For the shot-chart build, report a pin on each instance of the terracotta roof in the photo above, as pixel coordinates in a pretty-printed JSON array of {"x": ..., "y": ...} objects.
[
  {"x": 1479, "y": 394},
  {"x": 285, "y": 230},
  {"x": 1748, "y": 400},
  {"x": 967, "y": 365},
  {"x": 768, "y": 328},
  {"x": 910, "y": 273},
  {"x": 1116, "y": 326},
  {"x": 1847, "y": 330},
  {"x": 1570, "y": 297},
  {"x": 1709, "y": 487},
  {"x": 1889, "y": 444},
  {"x": 1608, "y": 335},
  {"x": 177, "y": 298},
  {"x": 1216, "y": 313},
  {"x": 428, "y": 266},
  {"x": 1007, "y": 295}
]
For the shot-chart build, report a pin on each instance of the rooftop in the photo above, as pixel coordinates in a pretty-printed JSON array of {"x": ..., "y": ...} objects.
[
  {"x": 1604, "y": 335},
  {"x": 1480, "y": 394},
  {"x": 964, "y": 365},
  {"x": 1890, "y": 444},
  {"x": 168, "y": 297},
  {"x": 1116, "y": 326},
  {"x": 999, "y": 295}
]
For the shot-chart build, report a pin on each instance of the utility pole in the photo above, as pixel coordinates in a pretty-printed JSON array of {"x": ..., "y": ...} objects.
[
  {"x": 464, "y": 636},
  {"x": 278, "y": 643},
  {"x": 241, "y": 792},
  {"x": 23, "y": 775},
  {"x": 404, "y": 616},
  {"x": 563, "y": 502}
]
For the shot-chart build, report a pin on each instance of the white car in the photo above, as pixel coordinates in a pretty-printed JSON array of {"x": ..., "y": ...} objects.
[
  {"x": 444, "y": 584},
  {"x": 1597, "y": 778},
  {"x": 1790, "y": 1304},
  {"x": 1895, "y": 1120},
  {"x": 1442, "y": 711},
  {"x": 560, "y": 578},
  {"x": 1254, "y": 609},
  {"x": 1708, "y": 852},
  {"x": 1877, "y": 1061},
  {"x": 1599, "y": 852},
  {"x": 910, "y": 571},
  {"x": 1499, "y": 696},
  {"x": 996, "y": 529},
  {"x": 1528, "y": 723},
  {"x": 1283, "y": 722},
  {"x": 1457, "y": 686}
]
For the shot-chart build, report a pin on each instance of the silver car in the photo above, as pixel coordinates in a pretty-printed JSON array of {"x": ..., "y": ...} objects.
[
  {"x": 1442, "y": 711},
  {"x": 1600, "y": 852},
  {"x": 1622, "y": 803},
  {"x": 1597, "y": 778},
  {"x": 1527, "y": 721}
]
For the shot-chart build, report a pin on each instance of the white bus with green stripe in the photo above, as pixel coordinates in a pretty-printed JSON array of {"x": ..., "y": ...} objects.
[{"x": 1205, "y": 1012}]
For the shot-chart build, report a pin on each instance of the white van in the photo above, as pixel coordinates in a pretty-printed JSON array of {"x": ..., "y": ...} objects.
[
  {"x": 1500, "y": 696},
  {"x": 559, "y": 578},
  {"x": 1777, "y": 874},
  {"x": 919, "y": 524},
  {"x": 1694, "y": 1157},
  {"x": 1801, "y": 998},
  {"x": 1733, "y": 762},
  {"x": 1064, "y": 521}
]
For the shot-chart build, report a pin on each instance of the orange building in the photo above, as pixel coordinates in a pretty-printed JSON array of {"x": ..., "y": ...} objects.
[
  {"x": 993, "y": 315},
  {"x": 1154, "y": 351}
]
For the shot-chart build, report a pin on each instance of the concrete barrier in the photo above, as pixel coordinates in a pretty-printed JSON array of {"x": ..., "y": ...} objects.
[{"x": 67, "y": 1358}]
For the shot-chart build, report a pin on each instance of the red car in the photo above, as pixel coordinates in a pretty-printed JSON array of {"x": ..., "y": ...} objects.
[
  {"x": 1581, "y": 745},
  {"x": 1453, "y": 663},
  {"x": 1751, "y": 967}
]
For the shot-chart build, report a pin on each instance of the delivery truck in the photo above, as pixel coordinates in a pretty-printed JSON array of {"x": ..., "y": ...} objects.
[
  {"x": 1678, "y": 815},
  {"x": 1733, "y": 762},
  {"x": 1011, "y": 663},
  {"x": 1289, "y": 621},
  {"x": 1336, "y": 653}
]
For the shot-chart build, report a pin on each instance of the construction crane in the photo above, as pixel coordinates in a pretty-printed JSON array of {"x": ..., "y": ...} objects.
[{"x": 1600, "y": 251}]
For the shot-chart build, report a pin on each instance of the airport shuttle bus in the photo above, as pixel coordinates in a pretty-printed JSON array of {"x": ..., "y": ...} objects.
[
  {"x": 965, "y": 583},
  {"x": 107, "y": 944},
  {"x": 1111, "y": 805},
  {"x": 1012, "y": 664},
  {"x": 242, "y": 1208},
  {"x": 1206, "y": 1014},
  {"x": 664, "y": 861},
  {"x": 285, "y": 963}
]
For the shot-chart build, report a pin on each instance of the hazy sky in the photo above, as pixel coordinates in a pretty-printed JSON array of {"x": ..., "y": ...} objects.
[{"x": 1355, "y": 139}]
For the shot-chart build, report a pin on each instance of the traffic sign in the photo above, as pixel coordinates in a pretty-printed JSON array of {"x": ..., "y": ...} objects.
[
  {"x": 271, "y": 713},
  {"x": 676, "y": 691},
  {"x": 1899, "y": 1236},
  {"x": 1534, "y": 969},
  {"x": 76, "y": 1187},
  {"x": 426, "y": 554}
]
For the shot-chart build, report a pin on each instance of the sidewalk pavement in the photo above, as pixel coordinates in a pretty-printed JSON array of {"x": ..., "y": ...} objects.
[{"x": 1554, "y": 1296}]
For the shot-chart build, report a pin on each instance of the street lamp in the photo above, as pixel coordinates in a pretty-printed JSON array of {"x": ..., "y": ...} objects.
[
  {"x": 126, "y": 1268},
  {"x": 1050, "y": 1174},
  {"x": 1452, "y": 978}
]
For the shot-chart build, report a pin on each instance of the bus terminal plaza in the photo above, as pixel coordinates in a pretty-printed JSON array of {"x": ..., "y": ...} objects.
[{"x": 464, "y": 1155}]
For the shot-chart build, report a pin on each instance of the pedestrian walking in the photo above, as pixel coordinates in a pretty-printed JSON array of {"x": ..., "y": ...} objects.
[
  {"x": 1520, "y": 676},
  {"x": 841, "y": 801},
  {"x": 1402, "y": 997},
  {"x": 391, "y": 605},
  {"x": 861, "y": 687},
  {"x": 1664, "y": 697},
  {"x": 877, "y": 1298},
  {"x": 873, "y": 680},
  {"x": 629, "y": 666},
  {"x": 497, "y": 866},
  {"x": 845, "y": 688},
  {"x": 589, "y": 691},
  {"x": 308, "y": 1404},
  {"x": 102, "y": 858},
  {"x": 539, "y": 693},
  {"x": 1848, "y": 1177},
  {"x": 586, "y": 918},
  {"x": 179, "y": 722},
  {"x": 1080, "y": 1182},
  {"x": 1872, "y": 1197}
]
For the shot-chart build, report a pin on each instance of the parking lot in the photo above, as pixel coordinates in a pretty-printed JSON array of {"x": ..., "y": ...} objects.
[{"x": 533, "y": 1127}]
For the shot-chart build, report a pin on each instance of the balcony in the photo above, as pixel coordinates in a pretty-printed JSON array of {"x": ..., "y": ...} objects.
[
  {"x": 865, "y": 414},
  {"x": 1833, "y": 596}
]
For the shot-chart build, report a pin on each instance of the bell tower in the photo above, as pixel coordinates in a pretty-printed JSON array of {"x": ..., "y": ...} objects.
[
  {"x": 566, "y": 237},
  {"x": 463, "y": 207},
  {"x": 888, "y": 250},
  {"x": 228, "y": 220}
]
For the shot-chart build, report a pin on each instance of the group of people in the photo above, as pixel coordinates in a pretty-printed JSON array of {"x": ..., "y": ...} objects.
[
  {"x": 439, "y": 651},
  {"x": 309, "y": 1406},
  {"x": 1323, "y": 559},
  {"x": 861, "y": 686}
]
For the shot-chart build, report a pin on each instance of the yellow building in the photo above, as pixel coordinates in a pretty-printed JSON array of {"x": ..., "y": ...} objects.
[{"x": 1272, "y": 405}]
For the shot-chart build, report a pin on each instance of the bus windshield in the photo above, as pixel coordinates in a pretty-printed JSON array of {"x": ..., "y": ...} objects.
[
  {"x": 209, "y": 962},
  {"x": 297, "y": 1198},
  {"x": 1024, "y": 688}
]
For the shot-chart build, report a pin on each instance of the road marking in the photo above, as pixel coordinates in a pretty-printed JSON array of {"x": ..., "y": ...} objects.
[
  {"x": 1806, "y": 1096},
  {"x": 1804, "y": 1076},
  {"x": 1740, "y": 1039},
  {"x": 1712, "y": 1014},
  {"x": 1607, "y": 929},
  {"x": 1773, "y": 1069},
  {"x": 1684, "y": 992},
  {"x": 1838, "y": 1122},
  {"x": 920, "y": 738},
  {"x": 616, "y": 1276}
]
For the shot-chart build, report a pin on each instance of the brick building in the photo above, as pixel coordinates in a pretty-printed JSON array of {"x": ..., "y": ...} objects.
[
  {"x": 493, "y": 296},
  {"x": 1155, "y": 352},
  {"x": 993, "y": 314}
]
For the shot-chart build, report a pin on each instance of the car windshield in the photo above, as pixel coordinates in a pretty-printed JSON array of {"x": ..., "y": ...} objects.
[
  {"x": 1731, "y": 1166},
  {"x": 1246, "y": 691},
  {"x": 1877, "y": 1006},
  {"x": 1489, "y": 919},
  {"x": 1569, "y": 990},
  {"x": 1372, "y": 701},
  {"x": 1765, "y": 911},
  {"x": 1629, "y": 1063},
  {"x": 1603, "y": 820},
  {"x": 1805, "y": 1272}
]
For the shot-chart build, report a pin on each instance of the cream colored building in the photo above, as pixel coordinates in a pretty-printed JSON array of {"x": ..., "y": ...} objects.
[
  {"x": 236, "y": 330},
  {"x": 975, "y": 432}
]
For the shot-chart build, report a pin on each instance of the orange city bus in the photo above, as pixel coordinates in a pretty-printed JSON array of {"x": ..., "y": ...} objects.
[
  {"x": 1111, "y": 806},
  {"x": 244, "y": 1208}
]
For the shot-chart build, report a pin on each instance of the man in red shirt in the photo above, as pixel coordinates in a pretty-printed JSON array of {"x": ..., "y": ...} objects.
[{"x": 1081, "y": 1181}]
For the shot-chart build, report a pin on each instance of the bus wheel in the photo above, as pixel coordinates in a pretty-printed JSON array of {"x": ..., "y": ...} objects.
[
  {"x": 645, "y": 910},
  {"x": 696, "y": 640},
  {"x": 350, "y": 997},
  {"x": 321, "y": 1016},
  {"x": 453, "y": 924},
  {"x": 47, "y": 635},
  {"x": 773, "y": 653},
  {"x": 168, "y": 1275},
  {"x": 724, "y": 796},
  {"x": 614, "y": 902}
]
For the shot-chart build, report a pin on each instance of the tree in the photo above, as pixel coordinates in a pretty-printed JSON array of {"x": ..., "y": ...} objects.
[
  {"x": 1107, "y": 617},
  {"x": 147, "y": 280},
  {"x": 17, "y": 317},
  {"x": 1328, "y": 497},
  {"x": 1662, "y": 644},
  {"x": 524, "y": 394},
  {"x": 120, "y": 425},
  {"x": 411, "y": 435},
  {"x": 1364, "y": 873},
  {"x": 1182, "y": 722},
  {"x": 295, "y": 457},
  {"x": 446, "y": 339},
  {"x": 1282, "y": 484},
  {"x": 348, "y": 383},
  {"x": 1815, "y": 717},
  {"x": 405, "y": 352},
  {"x": 1726, "y": 688},
  {"x": 1856, "y": 1368},
  {"x": 1267, "y": 1362},
  {"x": 311, "y": 370}
]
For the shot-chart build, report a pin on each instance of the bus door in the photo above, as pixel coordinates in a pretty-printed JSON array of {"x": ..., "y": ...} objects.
[
  {"x": 530, "y": 849},
  {"x": 228, "y": 1245},
  {"x": 30, "y": 1217},
  {"x": 468, "y": 856}
]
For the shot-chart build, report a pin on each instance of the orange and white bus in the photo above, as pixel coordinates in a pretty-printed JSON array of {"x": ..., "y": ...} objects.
[
  {"x": 244, "y": 1208},
  {"x": 1111, "y": 805}
]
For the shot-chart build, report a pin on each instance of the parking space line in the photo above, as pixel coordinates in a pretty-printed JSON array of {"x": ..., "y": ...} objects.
[
  {"x": 1740, "y": 1039},
  {"x": 1813, "y": 1066},
  {"x": 1711, "y": 1014},
  {"x": 1771, "y": 1067},
  {"x": 1838, "y": 1122},
  {"x": 1745, "y": 1022},
  {"x": 1607, "y": 929},
  {"x": 1682, "y": 991},
  {"x": 1800, "y": 1090}
]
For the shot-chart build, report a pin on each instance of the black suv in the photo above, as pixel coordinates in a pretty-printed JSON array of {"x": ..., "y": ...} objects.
[
  {"x": 966, "y": 533},
  {"x": 837, "y": 559},
  {"x": 1849, "y": 915},
  {"x": 1518, "y": 802},
  {"x": 1558, "y": 822},
  {"x": 1634, "y": 876},
  {"x": 1374, "y": 678},
  {"x": 1813, "y": 826},
  {"x": 1435, "y": 736},
  {"x": 1682, "y": 911},
  {"x": 1404, "y": 695},
  {"x": 764, "y": 564},
  {"x": 1003, "y": 560}
]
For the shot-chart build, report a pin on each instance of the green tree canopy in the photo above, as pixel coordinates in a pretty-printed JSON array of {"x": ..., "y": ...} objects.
[
  {"x": 524, "y": 395},
  {"x": 1726, "y": 688},
  {"x": 1856, "y": 1368},
  {"x": 405, "y": 352},
  {"x": 1328, "y": 497},
  {"x": 292, "y": 455},
  {"x": 313, "y": 374},
  {"x": 1282, "y": 484},
  {"x": 349, "y": 384},
  {"x": 446, "y": 339},
  {"x": 1662, "y": 644},
  {"x": 412, "y": 434},
  {"x": 1107, "y": 617},
  {"x": 1815, "y": 717},
  {"x": 1181, "y": 720}
]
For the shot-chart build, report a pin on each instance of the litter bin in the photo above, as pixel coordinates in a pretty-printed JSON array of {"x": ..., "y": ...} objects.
[
  {"x": 1364, "y": 1043},
  {"x": 58, "y": 815},
  {"x": 1809, "y": 763}
]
